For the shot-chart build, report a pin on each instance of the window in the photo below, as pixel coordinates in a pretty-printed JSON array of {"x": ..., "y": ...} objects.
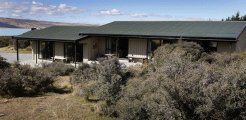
[
  {"x": 153, "y": 45},
  {"x": 46, "y": 50},
  {"x": 111, "y": 45},
  {"x": 69, "y": 51},
  {"x": 208, "y": 46},
  {"x": 168, "y": 41}
]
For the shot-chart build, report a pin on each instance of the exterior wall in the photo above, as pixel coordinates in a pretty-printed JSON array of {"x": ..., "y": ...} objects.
[
  {"x": 34, "y": 50},
  {"x": 85, "y": 53},
  {"x": 241, "y": 44},
  {"x": 59, "y": 49},
  {"x": 137, "y": 48},
  {"x": 93, "y": 48},
  {"x": 226, "y": 47}
]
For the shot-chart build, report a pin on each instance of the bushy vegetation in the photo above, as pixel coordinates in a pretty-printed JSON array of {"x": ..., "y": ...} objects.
[
  {"x": 181, "y": 82},
  {"x": 3, "y": 63},
  {"x": 5, "y": 41},
  {"x": 103, "y": 80},
  {"x": 58, "y": 68},
  {"x": 8, "y": 41},
  {"x": 22, "y": 80}
]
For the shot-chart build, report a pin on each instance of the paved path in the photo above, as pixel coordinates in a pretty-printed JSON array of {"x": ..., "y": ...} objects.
[{"x": 11, "y": 57}]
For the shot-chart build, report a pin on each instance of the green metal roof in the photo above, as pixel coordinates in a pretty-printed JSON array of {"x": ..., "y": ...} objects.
[
  {"x": 67, "y": 33},
  {"x": 196, "y": 29}
]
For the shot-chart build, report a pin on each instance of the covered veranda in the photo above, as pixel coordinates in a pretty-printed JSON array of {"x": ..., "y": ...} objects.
[{"x": 56, "y": 43}]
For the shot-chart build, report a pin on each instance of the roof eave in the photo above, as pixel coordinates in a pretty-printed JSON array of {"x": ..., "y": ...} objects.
[
  {"x": 164, "y": 37},
  {"x": 46, "y": 39}
]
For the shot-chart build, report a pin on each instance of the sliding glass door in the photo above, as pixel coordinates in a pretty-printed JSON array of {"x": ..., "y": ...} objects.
[
  {"x": 111, "y": 46},
  {"x": 69, "y": 52},
  {"x": 46, "y": 50}
]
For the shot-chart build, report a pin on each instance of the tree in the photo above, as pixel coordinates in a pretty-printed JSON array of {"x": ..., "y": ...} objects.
[{"x": 236, "y": 17}]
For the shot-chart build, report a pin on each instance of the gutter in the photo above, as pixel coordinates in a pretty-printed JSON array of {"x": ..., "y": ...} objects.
[
  {"x": 47, "y": 39},
  {"x": 165, "y": 37}
]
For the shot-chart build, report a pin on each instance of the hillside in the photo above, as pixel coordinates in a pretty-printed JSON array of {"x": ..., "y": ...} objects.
[
  {"x": 5, "y": 25},
  {"x": 26, "y": 23}
]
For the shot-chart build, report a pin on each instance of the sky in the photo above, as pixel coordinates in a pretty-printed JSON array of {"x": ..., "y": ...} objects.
[{"x": 105, "y": 11}]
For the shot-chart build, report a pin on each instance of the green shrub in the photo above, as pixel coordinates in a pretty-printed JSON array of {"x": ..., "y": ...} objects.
[
  {"x": 58, "y": 68},
  {"x": 25, "y": 81},
  {"x": 3, "y": 63}
]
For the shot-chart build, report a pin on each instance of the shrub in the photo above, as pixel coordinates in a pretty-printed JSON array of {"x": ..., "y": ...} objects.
[
  {"x": 5, "y": 41},
  {"x": 103, "y": 80},
  {"x": 182, "y": 82},
  {"x": 84, "y": 78},
  {"x": 3, "y": 63},
  {"x": 8, "y": 41},
  {"x": 58, "y": 68},
  {"x": 24, "y": 43},
  {"x": 25, "y": 81},
  {"x": 184, "y": 50}
]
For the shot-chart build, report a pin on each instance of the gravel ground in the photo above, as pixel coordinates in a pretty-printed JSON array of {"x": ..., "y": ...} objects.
[{"x": 11, "y": 57}]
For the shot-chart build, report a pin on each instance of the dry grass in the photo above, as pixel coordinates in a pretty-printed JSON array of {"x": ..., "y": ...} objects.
[
  {"x": 52, "y": 106},
  {"x": 10, "y": 49}
]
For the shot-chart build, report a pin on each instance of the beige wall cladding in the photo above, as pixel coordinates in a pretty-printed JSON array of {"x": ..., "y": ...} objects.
[
  {"x": 93, "y": 47},
  {"x": 137, "y": 48},
  {"x": 241, "y": 44},
  {"x": 34, "y": 43},
  {"x": 85, "y": 53},
  {"x": 59, "y": 50},
  {"x": 226, "y": 47}
]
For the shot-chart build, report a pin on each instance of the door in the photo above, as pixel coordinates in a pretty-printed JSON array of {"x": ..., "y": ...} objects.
[
  {"x": 123, "y": 47},
  {"x": 79, "y": 54}
]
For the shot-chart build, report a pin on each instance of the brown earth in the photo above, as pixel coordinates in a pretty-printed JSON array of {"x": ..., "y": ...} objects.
[{"x": 49, "y": 107}]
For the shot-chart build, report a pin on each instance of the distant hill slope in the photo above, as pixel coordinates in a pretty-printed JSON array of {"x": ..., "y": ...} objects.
[
  {"x": 5, "y": 25},
  {"x": 25, "y": 23}
]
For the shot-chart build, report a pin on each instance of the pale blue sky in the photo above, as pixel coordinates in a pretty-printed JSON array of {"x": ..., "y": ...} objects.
[{"x": 105, "y": 11}]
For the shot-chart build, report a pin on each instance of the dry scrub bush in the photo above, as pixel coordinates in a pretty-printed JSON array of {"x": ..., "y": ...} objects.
[
  {"x": 182, "y": 82},
  {"x": 103, "y": 80},
  {"x": 24, "y": 81},
  {"x": 3, "y": 63},
  {"x": 5, "y": 41},
  {"x": 58, "y": 68}
]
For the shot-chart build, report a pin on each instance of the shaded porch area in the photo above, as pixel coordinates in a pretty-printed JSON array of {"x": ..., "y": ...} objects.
[
  {"x": 38, "y": 63},
  {"x": 56, "y": 43}
]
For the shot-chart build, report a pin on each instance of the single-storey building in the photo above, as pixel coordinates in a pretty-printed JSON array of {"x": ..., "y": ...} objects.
[
  {"x": 132, "y": 40},
  {"x": 56, "y": 43}
]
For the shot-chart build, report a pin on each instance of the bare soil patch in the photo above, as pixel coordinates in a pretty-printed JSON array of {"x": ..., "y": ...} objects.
[{"x": 50, "y": 106}]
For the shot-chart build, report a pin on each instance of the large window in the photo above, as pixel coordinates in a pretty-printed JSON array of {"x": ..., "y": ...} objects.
[
  {"x": 69, "y": 50},
  {"x": 153, "y": 45},
  {"x": 46, "y": 50},
  {"x": 209, "y": 46},
  {"x": 111, "y": 45}
]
